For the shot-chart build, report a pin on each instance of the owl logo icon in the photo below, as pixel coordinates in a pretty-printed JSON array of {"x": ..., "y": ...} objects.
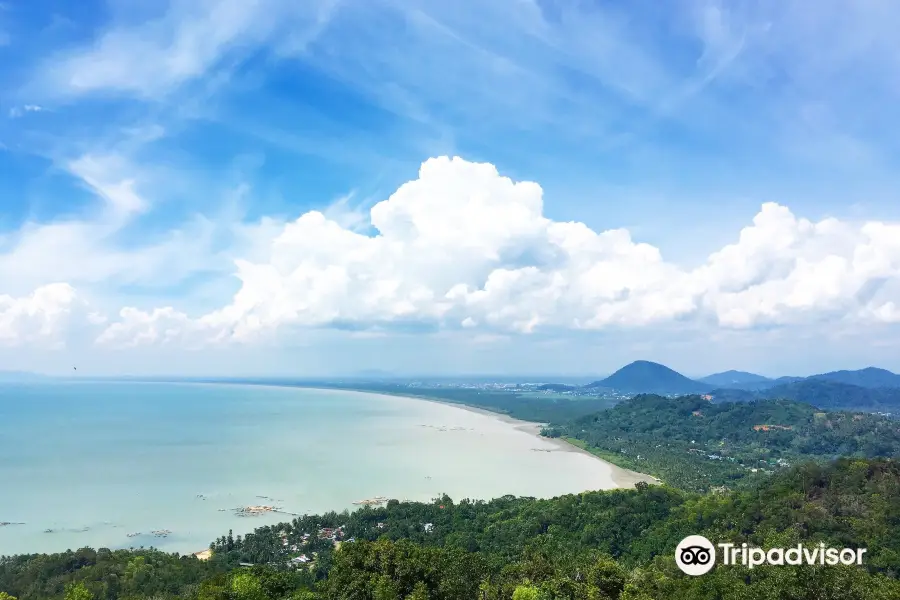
[{"x": 695, "y": 555}]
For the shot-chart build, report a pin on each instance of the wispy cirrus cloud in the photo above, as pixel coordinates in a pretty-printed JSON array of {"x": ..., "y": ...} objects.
[
  {"x": 18, "y": 111},
  {"x": 89, "y": 249},
  {"x": 187, "y": 41},
  {"x": 604, "y": 76}
]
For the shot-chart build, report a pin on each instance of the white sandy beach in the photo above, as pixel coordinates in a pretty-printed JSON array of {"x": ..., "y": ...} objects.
[{"x": 623, "y": 478}]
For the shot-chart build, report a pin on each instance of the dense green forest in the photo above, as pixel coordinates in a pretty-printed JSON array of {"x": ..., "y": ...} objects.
[
  {"x": 613, "y": 545},
  {"x": 694, "y": 444}
]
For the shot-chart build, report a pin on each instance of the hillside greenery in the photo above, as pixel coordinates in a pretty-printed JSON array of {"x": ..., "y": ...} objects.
[
  {"x": 613, "y": 545},
  {"x": 694, "y": 444}
]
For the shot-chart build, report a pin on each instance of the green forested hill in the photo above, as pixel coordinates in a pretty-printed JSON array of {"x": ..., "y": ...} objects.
[
  {"x": 692, "y": 443},
  {"x": 615, "y": 545}
]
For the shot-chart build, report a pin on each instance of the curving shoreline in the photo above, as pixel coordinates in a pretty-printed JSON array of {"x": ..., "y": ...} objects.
[
  {"x": 621, "y": 477},
  {"x": 482, "y": 456}
]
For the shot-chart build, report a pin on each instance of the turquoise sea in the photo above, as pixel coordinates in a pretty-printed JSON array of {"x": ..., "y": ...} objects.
[{"x": 87, "y": 464}]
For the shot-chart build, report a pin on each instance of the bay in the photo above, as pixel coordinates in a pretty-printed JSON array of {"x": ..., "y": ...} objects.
[{"x": 107, "y": 464}]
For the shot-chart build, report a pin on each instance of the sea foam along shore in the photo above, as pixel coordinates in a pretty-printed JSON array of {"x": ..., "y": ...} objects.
[{"x": 622, "y": 478}]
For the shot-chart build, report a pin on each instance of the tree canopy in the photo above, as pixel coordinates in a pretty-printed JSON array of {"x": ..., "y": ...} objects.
[{"x": 616, "y": 545}]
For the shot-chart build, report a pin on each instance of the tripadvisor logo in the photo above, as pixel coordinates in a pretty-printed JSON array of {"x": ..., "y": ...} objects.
[{"x": 696, "y": 555}]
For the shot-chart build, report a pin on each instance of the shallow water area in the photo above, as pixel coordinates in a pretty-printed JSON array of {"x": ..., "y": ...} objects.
[{"x": 123, "y": 465}]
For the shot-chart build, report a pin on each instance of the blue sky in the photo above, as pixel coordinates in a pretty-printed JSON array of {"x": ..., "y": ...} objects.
[{"x": 235, "y": 186}]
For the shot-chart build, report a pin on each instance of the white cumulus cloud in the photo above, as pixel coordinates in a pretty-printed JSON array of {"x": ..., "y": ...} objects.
[
  {"x": 41, "y": 318},
  {"x": 464, "y": 247}
]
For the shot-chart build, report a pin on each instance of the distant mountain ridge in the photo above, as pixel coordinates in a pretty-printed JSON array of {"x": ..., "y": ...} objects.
[
  {"x": 870, "y": 377},
  {"x": 643, "y": 376},
  {"x": 870, "y": 389},
  {"x": 730, "y": 378},
  {"x": 821, "y": 393}
]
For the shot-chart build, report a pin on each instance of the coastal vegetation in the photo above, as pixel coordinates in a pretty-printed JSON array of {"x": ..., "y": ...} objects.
[
  {"x": 694, "y": 444},
  {"x": 615, "y": 545}
]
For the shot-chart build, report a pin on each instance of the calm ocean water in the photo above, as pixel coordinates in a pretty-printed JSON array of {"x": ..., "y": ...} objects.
[{"x": 94, "y": 462}]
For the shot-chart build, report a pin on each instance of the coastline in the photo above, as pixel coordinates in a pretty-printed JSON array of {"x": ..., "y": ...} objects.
[
  {"x": 621, "y": 477},
  {"x": 237, "y": 433}
]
